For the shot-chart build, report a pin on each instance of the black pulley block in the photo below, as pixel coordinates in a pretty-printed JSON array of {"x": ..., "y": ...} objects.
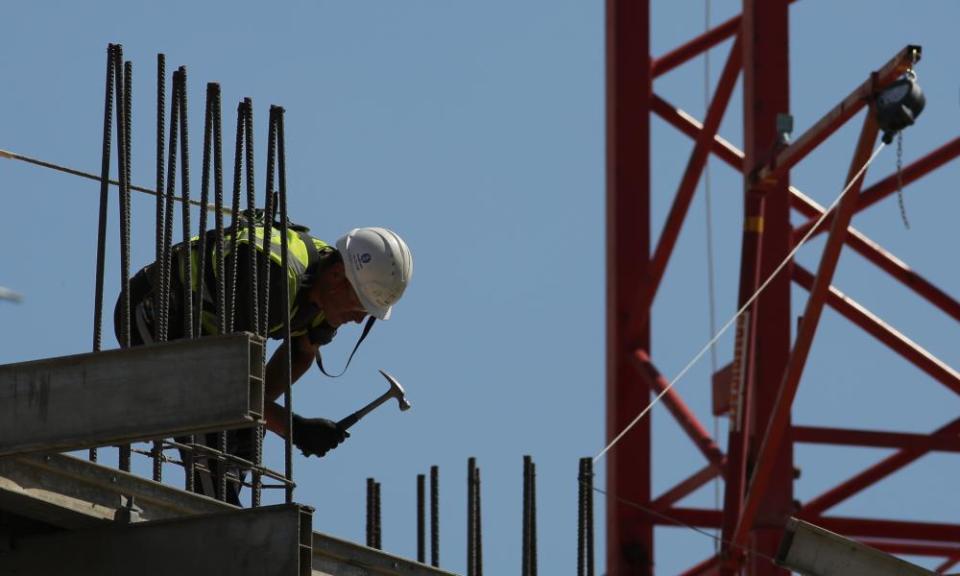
[{"x": 898, "y": 105}]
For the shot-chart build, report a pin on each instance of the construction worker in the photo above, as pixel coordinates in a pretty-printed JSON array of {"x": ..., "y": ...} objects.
[{"x": 364, "y": 275}]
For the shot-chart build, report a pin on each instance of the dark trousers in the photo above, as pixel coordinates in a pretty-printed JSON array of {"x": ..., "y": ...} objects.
[{"x": 143, "y": 332}]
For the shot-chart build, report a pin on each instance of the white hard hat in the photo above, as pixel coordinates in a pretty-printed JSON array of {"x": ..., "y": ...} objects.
[{"x": 378, "y": 265}]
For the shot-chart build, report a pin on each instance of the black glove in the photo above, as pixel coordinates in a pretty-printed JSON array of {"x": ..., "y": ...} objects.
[{"x": 316, "y": 436}]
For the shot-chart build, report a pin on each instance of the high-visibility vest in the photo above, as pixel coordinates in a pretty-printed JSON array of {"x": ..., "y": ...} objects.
[{"x": 302, "y": 259}]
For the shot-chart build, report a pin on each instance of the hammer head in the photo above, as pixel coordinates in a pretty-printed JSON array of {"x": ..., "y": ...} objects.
[{"x": 396, "y": 390}]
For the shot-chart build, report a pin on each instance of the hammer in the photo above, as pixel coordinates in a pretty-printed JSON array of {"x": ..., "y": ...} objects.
[{"x": 395, "y": 391}]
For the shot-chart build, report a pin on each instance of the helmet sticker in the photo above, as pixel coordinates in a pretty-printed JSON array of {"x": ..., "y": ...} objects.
[{"x": 365, "y": 258}]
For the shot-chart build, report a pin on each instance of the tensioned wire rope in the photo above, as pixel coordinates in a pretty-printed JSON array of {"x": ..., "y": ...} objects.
[
  {"x": 67, "y": 170},
  {"x": 696, "y": 358}
]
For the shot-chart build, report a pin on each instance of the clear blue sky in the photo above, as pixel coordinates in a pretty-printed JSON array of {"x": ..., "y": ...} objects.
[{"x": 476, "y": 130}]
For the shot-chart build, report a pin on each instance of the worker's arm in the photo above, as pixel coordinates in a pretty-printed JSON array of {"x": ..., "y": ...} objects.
[
  {"x": 313, "y": 436},
  {"x": 301, "y": 356}
]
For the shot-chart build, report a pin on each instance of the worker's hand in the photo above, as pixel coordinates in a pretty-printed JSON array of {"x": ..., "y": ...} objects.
[{"x": 316, "y": 436}]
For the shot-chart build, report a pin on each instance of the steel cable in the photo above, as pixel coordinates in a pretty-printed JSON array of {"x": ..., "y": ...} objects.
[{"x": 742, "y": 309}]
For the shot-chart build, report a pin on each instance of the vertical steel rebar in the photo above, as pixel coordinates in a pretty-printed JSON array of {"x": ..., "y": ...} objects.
[
  {"x": 589, "y": 526},
  {"x": 285, "y": 304},
  {"x": 377, "y": 526},
  {"x": 533, "y": 518},
  {"x": 471, "y": 520},
  {"x": 435, "y": 516},
  {"x": 421, "y": 541},
  {"x": 265, "y": 245},
  {"x": 585, "y": 558},
  {"x": 218, "y": 224},
  {"x": 221, "y": 437},
  {"x": 104, "y": 199},
  {"x": 370, "y": 540},
  {"x": 477, "y": 531},
  {"x": 186, "y": 261},
  {"x": 163, "y": 295},
  {"x": 157, "y": 451},
  {"x": 204, "y": 201},
  {"x": 252, "y": 267},
  {"x": 232, "y": 264},
  {"x": 525, "y": 546},
  {"x": 121, "y": 86}
]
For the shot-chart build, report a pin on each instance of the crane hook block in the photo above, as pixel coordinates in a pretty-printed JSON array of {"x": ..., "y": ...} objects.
[{"x": 899, "y": 105}]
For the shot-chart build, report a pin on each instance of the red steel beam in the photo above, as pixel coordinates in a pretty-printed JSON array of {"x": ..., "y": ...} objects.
[
  {"x": 695, "y": 47},
  {"x": 911, "y": 547},
  {"x": 872, "y": 475},
  {"x": 948, "y": 564},
  {"x": 685, "y": 417},
  {"x": 876, "y": 192},
  {"x": 875, "y": 438},
  {"x": 686, "y": 487},
  {"x": 885, "y": 260},
  {"x": 690, "y": 50},
  {"x": 837, "y": 117},
  {"x": 629, "y": 543},
  {"x": 780, "y": 415},
  {"x": 805, "y": 205},
  {"x": 687, "y": 517},
  {"x": 871, "y": 324},
  {"x": 690, "y": 126},
  {"x": 706, "y": 568},
  {"x": 895, "y": 529},
  {"x": 691, "y": 177},
  {"x": 766, "y": 94}
]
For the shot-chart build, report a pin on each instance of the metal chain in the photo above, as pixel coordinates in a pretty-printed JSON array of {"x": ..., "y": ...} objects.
[{"x": 903, "y": 208}]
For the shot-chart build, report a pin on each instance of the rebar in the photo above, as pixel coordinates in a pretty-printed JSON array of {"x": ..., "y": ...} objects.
[
  {"x": 377, "y": 526},
  {"x": 471, "y": 517},
  {"x": 212, "y": 93},
  {"x": 285, "y": 298},
  {"x": 264, "y": 253},
  {"x": 204, "y": 198},
  {"x": 124, "y": 128},
  {"x": 104, "y": 199},
  {"x": 434, "y": 516},
  {"x": 252, "y": 267},
  {"x": 186, "y": 262},
  {"x": 231, "y": 264},
  {"x": 218, "y": 224},
  {"x": 421, "y": 543},
  {"x": 525, "y": 546},
  {"x": 163, "y": 296},
  {"x": 533, "y": 518},
  {"x": 157, "y": 452},
  {"x": 477, "y": 531},
  {"x": 585, "y": 558},
  {"x": 370, "y": 540}
]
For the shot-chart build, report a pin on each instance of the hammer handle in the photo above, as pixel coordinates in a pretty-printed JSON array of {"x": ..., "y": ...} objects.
[{"x": 356, "y": 416}]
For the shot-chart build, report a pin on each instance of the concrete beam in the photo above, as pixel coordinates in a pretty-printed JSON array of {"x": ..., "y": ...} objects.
[
  {"x": 121, "y": 396},
  {"x": 335, "y": 557},
  {"x": 75, "y": 494},
  {"x": 812, "y": 551},
  {"x": 272, "y": 540}
]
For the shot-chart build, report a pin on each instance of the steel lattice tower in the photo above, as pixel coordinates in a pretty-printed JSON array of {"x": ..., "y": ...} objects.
[{"x": 758, "y": 467}]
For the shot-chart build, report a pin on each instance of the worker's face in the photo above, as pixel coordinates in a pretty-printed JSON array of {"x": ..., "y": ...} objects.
[{"x": 342, "y": 305}]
